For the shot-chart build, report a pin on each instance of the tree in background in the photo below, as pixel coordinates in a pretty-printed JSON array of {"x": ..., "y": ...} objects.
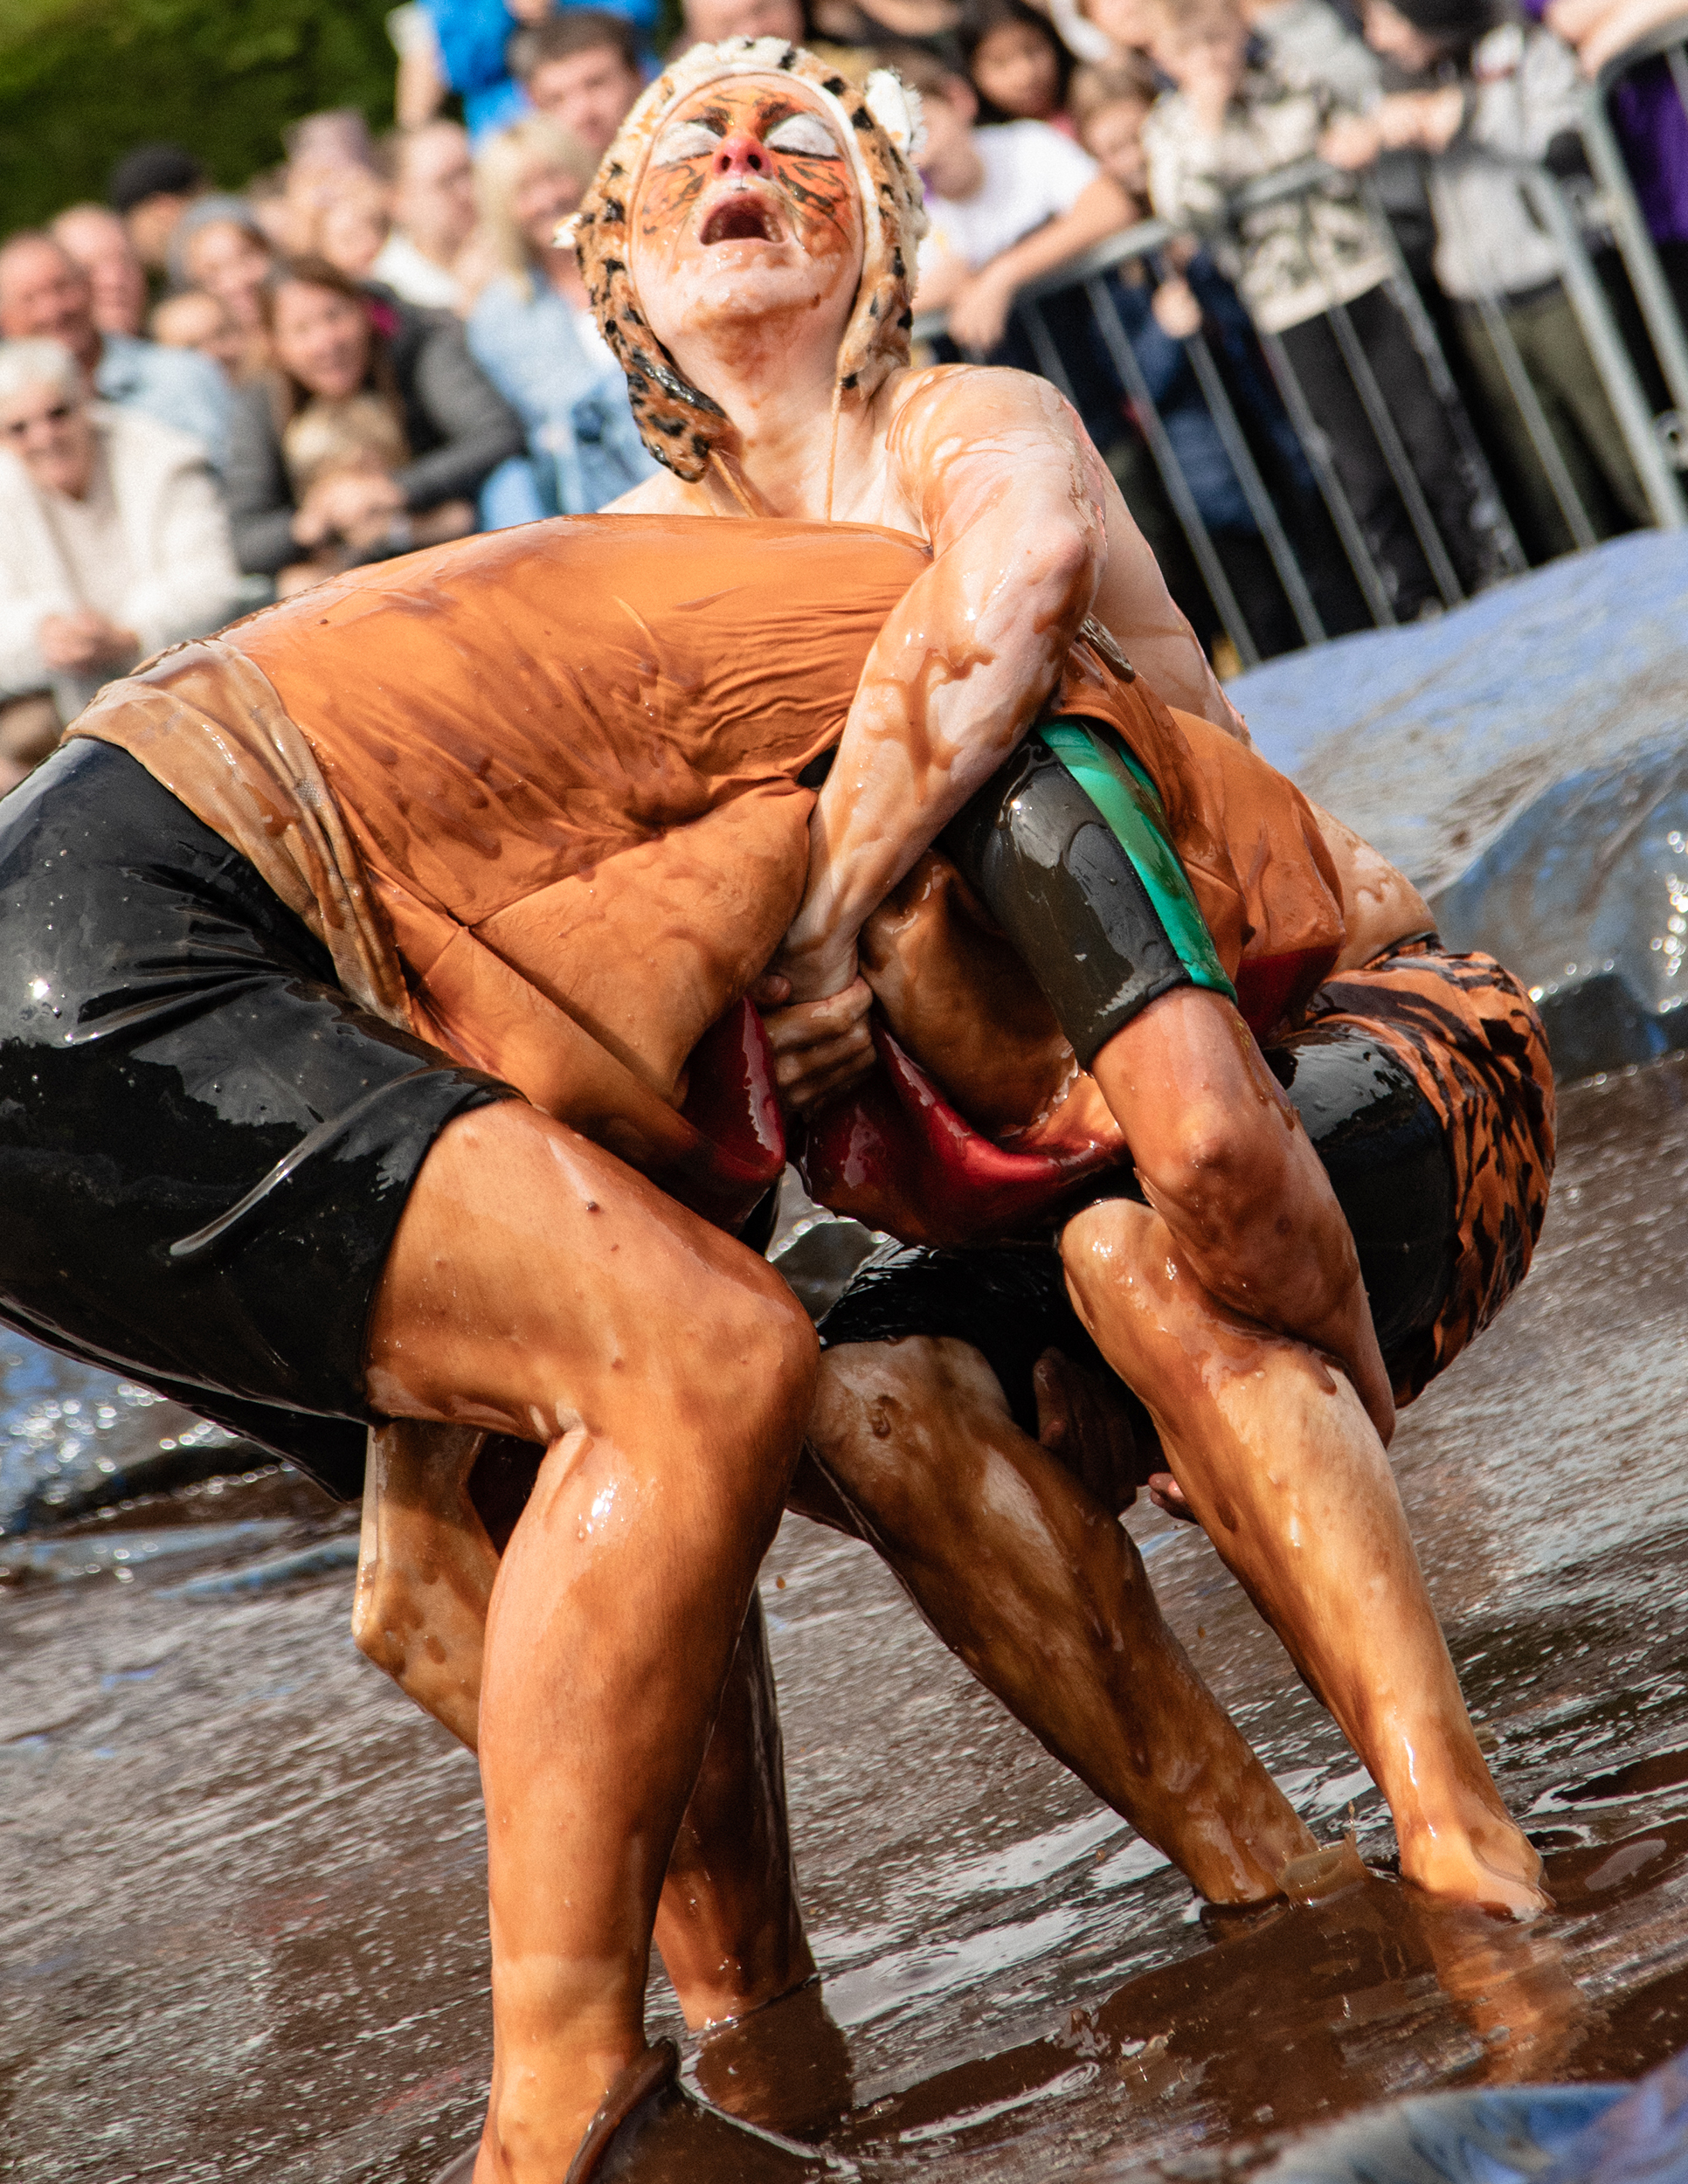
[{"x": 83, "y": 81}]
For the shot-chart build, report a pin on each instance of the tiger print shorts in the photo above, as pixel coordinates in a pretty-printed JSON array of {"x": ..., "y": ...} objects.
[
  {"x": 1471, "y": 1038},
  {"x": 1424, "y": 1084}
]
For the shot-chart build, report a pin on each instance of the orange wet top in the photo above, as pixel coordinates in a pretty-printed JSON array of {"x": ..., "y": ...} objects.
[{"x": 537, "y": 791}]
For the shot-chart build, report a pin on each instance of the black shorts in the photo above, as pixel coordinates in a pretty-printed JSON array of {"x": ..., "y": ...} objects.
[{"x": 205, "y": 1145}]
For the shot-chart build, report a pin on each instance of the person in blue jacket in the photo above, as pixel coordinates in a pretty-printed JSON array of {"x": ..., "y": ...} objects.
[{"x": 474, "y": 37}]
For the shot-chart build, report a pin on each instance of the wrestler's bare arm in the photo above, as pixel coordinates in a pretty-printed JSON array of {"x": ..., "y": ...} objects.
[
  {"x": 1010, "y": 497},
  {"x": 1134, "y": 606},
  {"x": 1029, "y": 533}
]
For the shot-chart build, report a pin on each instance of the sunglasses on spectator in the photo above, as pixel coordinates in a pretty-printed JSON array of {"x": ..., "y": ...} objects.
[{"x": 60, "y": 414}]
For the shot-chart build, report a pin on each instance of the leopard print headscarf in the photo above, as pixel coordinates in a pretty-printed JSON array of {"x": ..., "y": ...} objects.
[{"x": 879, "y": 124}]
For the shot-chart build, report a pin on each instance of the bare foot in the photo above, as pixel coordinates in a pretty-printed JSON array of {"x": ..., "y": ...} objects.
[{"x": 1485, "y": 1860}]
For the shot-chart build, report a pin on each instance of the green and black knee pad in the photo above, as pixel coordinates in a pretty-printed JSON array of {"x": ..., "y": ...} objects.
[{"x": 1066, "y": 845}]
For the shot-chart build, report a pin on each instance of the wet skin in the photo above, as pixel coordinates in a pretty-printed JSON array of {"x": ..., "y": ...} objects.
[
  {"x": 1232, "y": 1304},
  {"x": 991, "y": 468},
  {"x": 521, "y": 1296},
  {"x": 992, "y": 471}
]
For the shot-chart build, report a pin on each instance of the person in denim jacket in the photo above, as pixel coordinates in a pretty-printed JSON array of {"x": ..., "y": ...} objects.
[{"x": 533, "y": 335}]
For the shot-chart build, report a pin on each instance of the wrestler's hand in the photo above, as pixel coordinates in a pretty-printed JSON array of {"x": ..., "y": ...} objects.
[
  {"x": 1085, "y": 1421},
  {"x": 819, "y": 1047}
]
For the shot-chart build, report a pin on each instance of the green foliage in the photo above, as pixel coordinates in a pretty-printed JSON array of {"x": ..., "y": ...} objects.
[{"x": 82, "y": 82}]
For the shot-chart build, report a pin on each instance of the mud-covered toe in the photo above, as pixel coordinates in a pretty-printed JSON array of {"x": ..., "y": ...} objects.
[{"x": 649, "y": 2130}]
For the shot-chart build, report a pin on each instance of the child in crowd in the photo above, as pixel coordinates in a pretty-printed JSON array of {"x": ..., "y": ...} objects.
[
  {"x": 1299, "y": 262},
  {"x": 1160, "y": 315},
  {"x": 581, "y": 68},
  {"x": 1019, "y": 67},
  {"x": 1486, "y": 95},
  {"x": 193, "y": 320},
  {"x": 353, "y": 220},
  {"x": 1005, "y": 203},
  {"x": 329, "y": 441}
]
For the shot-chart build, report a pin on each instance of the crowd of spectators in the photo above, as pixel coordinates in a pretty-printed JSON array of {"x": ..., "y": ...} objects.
[{"x": 210, "y": 397}]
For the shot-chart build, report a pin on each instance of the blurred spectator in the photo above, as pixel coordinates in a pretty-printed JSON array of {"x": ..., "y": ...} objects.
[
  {"x": 194, "y": 320},
  {"x": 581, "y": 68},
  {"x": 1006, "y": 204},
  {"x": 1309, "y": 44},
  {"x": 433, "y": 216},
  {"x": 226, "y": 255},
  {"x": 112, "y": 544},
  {"x": 328, "y": 153},
  {"x": 338, "y": 137},
  {"x": 1109, "y": 105},
  {"x": 1230, "y": 121},
  {"x": 707, "y": 21},
  {"x": 420, "y": 89},
  {"x": 472, "y": 41},
  {"x": 44, "y": 292},
  {"x": 354, "y": 225},
  {"x": 265, "y": 199},
  {"x": 1127, "y": 25},
  {"x": 1647, "y": 112},
  {"x": 1160, "y": 312},
  {"x": 1484, "y": 99},
  {"x": 100, "y": 243},
  {"x": 1019, "y": 66},
  {"x": 332, "y": 448},
  {"x": 870, "y": 22},
  {"x": 534, "y": 335},
  {"x": 331, "y": 341},
  {"x": 150, "y": 190}
]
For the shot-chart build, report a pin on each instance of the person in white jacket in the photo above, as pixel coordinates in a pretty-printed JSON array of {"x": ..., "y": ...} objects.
[{"x": 114, "y": 544}]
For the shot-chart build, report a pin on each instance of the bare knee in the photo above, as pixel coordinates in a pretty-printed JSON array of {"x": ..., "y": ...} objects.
[
  {"x": 764, "y": 1345},
  {"x": 1109, "y": 1248},
  {"x": 894, "y": 1420}
]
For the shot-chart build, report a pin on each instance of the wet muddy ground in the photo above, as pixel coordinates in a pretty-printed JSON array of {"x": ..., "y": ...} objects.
[{"x": 245, "y": 1930}]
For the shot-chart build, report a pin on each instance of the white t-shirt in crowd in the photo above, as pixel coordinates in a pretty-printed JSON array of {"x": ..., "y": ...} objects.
[
  {"x": 404, "y": 269},
  {"x": 1032, "y": 173}
]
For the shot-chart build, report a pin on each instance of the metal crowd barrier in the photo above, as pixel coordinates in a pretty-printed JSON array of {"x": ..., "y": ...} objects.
[
  {"x": 1635, "y": 244},
  {"x": 1657, "y": 442}
]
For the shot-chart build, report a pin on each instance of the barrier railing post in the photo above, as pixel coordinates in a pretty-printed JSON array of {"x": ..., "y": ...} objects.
[
  {"x": 1427, "y": 342},
  {"x": 1261, "y": 505},
  {"x": 1399, "y": 463},
  {"x": 1548, "y": 454},
  {"x": 1124, "y": 358},
  {"x": 1617, "y": 374},
  {"x": 1366, "y": 573}
]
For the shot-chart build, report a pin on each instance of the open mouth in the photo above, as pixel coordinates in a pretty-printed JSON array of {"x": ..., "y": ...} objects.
[{"x": 740, "y": 219}]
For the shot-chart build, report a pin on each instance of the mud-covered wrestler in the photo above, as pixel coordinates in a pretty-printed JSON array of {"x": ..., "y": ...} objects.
[
  {"x": 364, "y": 957},
  {"x": 744, "y": 244},
  {"x": 370, "y": 1052}
]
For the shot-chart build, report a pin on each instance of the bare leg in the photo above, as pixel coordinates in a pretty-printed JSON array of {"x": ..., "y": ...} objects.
[
  {"x": 425, "y": 1569},
  {"x": 536, "y": 1287},
  {"x": 1042, "y": 1592},
  {"x": 729, "y": 1926},
  {"x": 1280, "y": 1463}
]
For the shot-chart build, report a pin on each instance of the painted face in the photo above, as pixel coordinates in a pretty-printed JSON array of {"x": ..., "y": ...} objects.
[{"x": 747, "y": 204}]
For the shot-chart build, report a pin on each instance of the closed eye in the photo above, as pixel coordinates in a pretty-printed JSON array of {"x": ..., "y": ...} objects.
[
  {"x": 804, "y": 133},
  {"x": 685, "y": 140}
]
